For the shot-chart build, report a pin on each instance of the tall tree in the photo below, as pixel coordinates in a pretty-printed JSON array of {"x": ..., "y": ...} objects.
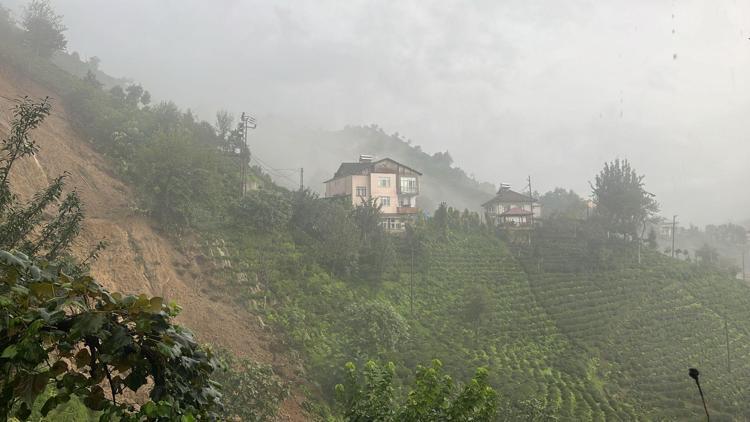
[
  {"x": 44, "y": 28},
  {"x": 561, "y": 203},
  {"x": 621, "y": 199}
]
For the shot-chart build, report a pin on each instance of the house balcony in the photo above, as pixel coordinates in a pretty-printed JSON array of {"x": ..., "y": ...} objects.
[
  {"x": 407, "y": 210},
  {"x": 408, "y": 191}
]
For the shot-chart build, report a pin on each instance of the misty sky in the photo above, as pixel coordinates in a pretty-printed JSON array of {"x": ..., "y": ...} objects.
[{"x": 510, "y": 88}]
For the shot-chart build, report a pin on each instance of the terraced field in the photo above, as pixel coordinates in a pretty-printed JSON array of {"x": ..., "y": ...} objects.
[
  {"x": 527, "y": 354},
  {"x": 646, "y": 324}
]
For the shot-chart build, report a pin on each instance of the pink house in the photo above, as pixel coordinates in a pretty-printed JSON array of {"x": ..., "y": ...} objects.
[{"x": 389, "y": 183}]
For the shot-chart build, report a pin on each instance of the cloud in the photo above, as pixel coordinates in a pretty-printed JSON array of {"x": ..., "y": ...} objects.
[{"x": 511, "y": 88}]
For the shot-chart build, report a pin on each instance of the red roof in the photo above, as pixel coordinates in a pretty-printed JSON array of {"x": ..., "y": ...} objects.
[{"x": 516, "y": 211}]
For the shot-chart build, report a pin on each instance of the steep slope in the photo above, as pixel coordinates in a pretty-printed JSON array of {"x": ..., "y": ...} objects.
[{"x": 138, "y": 258}]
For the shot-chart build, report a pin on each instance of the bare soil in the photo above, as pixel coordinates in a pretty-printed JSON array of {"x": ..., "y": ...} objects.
[{"x": 138, "y": 259}]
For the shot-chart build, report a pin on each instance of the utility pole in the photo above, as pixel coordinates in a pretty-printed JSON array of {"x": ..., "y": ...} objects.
[
  {"x": 531, "y": 200},
  {"x": 301, "y": 179},
  {"x": 674, "y": 224},
  {"x": 246, "y": 122},
  {"x": 411, "y": 280},
  {"x": 743, "y": 264},
  {"x": 726, "y": 334}
]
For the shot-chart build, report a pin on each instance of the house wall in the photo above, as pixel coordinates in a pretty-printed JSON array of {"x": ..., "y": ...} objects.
[
  {"x": 338, "y": 187},
  {"x": 391, "y": 191},
  {"x": 500, "y": 208},
  {"x": 359, "y": 180}
]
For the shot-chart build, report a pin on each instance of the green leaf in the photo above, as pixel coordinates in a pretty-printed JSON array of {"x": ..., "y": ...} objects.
[
  {"x": 155, "y": 305},
  {"x": 10, "y": 352},
  {"x": 87, "y": 324},
  {"x": 42, "y": 290},
  {"x": 49, "y": 405},
  {"x": 83, "y": 358}
]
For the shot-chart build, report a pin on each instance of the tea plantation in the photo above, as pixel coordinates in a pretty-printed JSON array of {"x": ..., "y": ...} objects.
[{"x": 646, "y": 324}]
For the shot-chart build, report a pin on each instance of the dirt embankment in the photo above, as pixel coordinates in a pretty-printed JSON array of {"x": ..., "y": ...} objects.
[{"x": 138, "y": 258}]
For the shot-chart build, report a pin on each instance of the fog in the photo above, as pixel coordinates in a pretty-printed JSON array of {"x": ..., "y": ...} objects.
[{"x": 512, "y": 88}]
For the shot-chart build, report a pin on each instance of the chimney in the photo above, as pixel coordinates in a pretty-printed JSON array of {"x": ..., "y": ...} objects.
[{"x": 365, "y": 158}]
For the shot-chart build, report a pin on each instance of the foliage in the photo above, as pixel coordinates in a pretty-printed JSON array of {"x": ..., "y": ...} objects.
[
  {"x": 44, "y": 28},
  {"x": 256, "y": 392},
  {"x": 561, "y": 203},
  {"x": 22, "y": 226},
  {"x": 375, "y": 246},
  {"x": 326, "y": 230},
  {"x": 476, "y": 305},
  {"x": 265, "y": 211},
  {"x": 621, "y": 199},
  {"x": 61, "y": 330},
  {"x": 174, "y": 179},
  {"x": 370, "y": 396},
  {"x": 71, "y": 333},
  {"x": 374, "y": 327}
]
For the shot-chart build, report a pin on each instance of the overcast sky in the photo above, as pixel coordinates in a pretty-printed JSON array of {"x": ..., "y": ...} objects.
[{"x": 510, "y": 88}]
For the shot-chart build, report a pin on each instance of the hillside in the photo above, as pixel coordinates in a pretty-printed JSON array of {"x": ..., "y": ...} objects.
[
  {"x": 139, "y": 258},
  {"x": 646, "y": 324},
  {"x": 570, "y": 326}
]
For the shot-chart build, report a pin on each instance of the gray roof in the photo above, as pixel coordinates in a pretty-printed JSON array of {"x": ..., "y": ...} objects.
[
  {"x": 508, "y": 196},
  {"x": 350, "y": 169}
]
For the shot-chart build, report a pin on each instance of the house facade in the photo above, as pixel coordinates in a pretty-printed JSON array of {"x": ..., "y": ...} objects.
[
  {"x": 390, "y": 184},
  {"x": 511, "y": 208}
]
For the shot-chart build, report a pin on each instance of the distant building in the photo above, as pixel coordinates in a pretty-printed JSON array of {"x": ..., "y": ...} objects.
[
  {"x": 512, "y": 208},
  {"x": 390, "y": 184}
]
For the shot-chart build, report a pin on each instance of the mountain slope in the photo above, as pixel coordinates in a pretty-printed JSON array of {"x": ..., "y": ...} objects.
[{"x": 138, "y": 259}]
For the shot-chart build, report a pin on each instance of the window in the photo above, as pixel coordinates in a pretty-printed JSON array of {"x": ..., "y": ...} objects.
[
  {"x": 391, "y": 224},
  {"x": 405, "y": 202},
  {"x": 361, "y": 191},
  {"x": 408, "y": 184},
  {"x": 385, "y": 201},
  {"x": 384, "y": 182}
]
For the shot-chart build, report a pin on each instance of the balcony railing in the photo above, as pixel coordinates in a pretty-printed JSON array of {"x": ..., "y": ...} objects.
[
  {"x": 407, "y": 210},
  {"x": 404, "y": 190}
]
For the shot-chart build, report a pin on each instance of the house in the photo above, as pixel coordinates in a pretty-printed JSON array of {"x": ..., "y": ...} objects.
[
  {"x": 512, "y": 208},
  {"x": 388, "y": 183}
]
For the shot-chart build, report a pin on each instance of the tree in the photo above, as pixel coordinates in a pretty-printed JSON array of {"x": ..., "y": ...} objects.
[
  {"x": 561, "y": 203},
  {"x": 707, "y": 254},
  {"x": 374, "y": 328},
  {"x": 621, "y": 199},
  {"x": 433, "y": 397},
  {"x": 376, "y": 250},
  {"x": 476, "y": 305},
  {"x": 133, "y": 94},
  {"x": 43, "y": 28},
  {"x": 224, "y": 124},
  {"x": 256, "y": 392}
]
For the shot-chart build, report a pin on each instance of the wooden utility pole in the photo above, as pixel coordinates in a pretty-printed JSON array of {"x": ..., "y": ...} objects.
[
  {"x": 301, "y": 179},
  {"x": 531, "y": 201},
  {"x": 726, "y": 334},
  {"x": 411, "y": 281},
  {"x": 743, "y": 264},
  {"x": 674, "y": 224}
]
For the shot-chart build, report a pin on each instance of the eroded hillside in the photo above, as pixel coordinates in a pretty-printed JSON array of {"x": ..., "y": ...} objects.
[{"x": 138, "y": 259}]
